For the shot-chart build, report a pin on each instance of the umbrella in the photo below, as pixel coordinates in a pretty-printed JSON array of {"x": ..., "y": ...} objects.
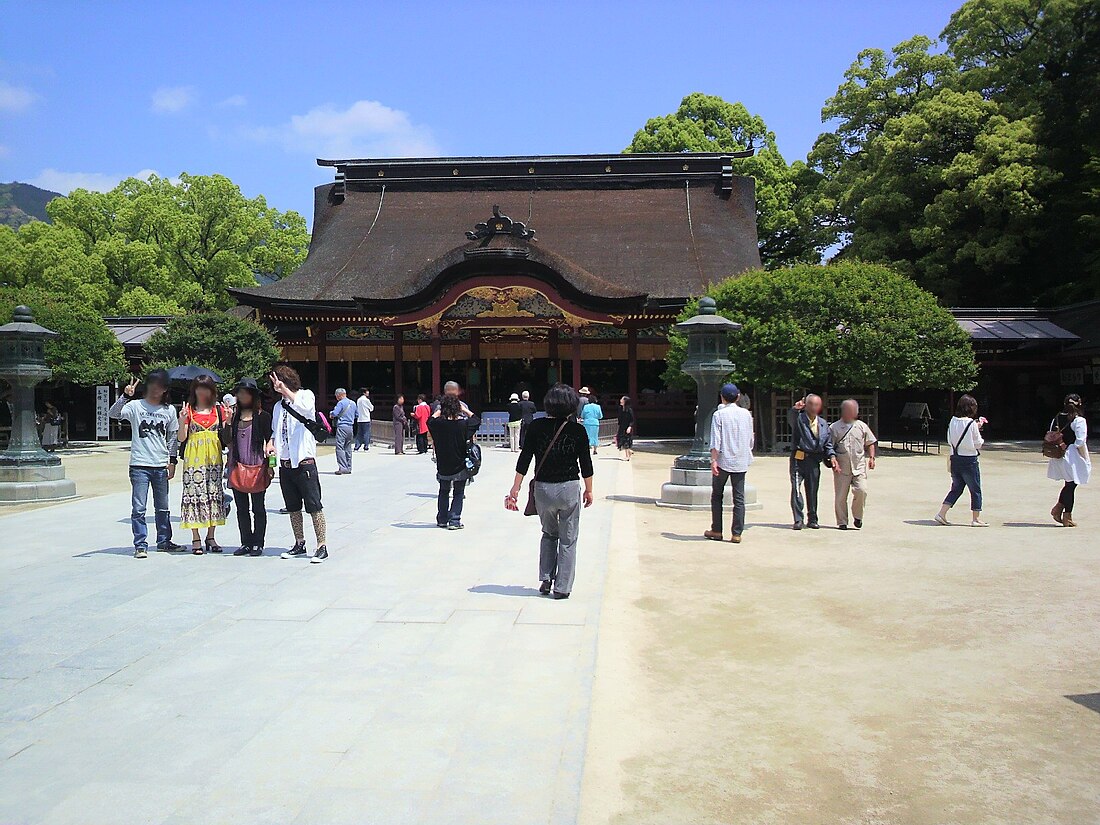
[{"x": 190, "y": 372}]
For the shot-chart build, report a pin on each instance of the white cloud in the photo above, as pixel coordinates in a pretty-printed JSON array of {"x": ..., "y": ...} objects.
[
  {"x": 234, "y": 101},
  {"x": 172, "y": 99},
  {"x": 15, "y": 98},
  {"x": 65, "y": 182},
  {"x": 367, "y": 128}
]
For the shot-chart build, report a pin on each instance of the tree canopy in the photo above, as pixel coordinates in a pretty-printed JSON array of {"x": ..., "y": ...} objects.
[
  {"x": 705, "y": 123},
  {"x": 232, "y": 347},
  {"x": 846, "y": 325},
  {"x": 85, "y": 351},
  {"x": 154, "y": 247}
]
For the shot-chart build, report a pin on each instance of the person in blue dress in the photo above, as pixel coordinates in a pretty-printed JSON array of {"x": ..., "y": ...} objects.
[{"x": 591, "y": 413}]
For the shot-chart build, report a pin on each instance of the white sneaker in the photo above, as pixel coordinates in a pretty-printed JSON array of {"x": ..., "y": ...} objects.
[
  {"x": 941, "y": 520},
  {"x": 978, "y": 523}
]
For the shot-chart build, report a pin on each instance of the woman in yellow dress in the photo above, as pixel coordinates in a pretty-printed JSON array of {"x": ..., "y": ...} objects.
[{"x": 201, "y": 461}]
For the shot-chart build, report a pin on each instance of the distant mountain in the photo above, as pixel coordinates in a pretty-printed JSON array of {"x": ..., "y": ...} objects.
[{"x": 22, "y": 203}]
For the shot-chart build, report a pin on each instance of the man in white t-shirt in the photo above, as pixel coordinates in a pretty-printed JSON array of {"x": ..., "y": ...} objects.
[
  {"x": 731, "y": 442},
  {"x": 364, "y": 407}
]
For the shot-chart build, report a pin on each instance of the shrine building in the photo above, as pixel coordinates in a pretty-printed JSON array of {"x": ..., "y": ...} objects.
[{"x": 508, "y": 273}]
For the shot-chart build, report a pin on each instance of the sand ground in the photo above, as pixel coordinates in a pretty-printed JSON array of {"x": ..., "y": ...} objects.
[{"x": 906, "y": 673}]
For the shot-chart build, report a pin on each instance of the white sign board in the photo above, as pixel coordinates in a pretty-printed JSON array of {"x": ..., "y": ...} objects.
[{"x": 102, "y": 404}]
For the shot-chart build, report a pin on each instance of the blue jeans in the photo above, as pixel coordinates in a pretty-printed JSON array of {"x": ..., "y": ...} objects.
[
  {"x": 362, "y": 435},
  {"x": 141, "y": 479},
  {"x": 449, "y": 510},
  {"x": 965, "y": 473}
]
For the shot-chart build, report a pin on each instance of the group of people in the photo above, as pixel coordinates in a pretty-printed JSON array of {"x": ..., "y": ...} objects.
[
  {"x": 848, "y": 447},
  {"x": 209, "y": 440}
]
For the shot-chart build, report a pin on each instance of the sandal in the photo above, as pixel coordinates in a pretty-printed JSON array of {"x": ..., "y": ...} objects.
[
  {"x": 196, "y": 548},
  {"x": 212, "y": 546}
]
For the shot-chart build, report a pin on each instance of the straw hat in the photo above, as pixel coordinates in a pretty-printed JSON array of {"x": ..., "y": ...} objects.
[{"x": 585, "y": 391}]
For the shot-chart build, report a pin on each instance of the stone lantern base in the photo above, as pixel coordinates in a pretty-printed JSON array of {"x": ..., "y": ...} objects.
[
  {"x": 34, "y": 482},
  {"x": 689, "y": 487}
]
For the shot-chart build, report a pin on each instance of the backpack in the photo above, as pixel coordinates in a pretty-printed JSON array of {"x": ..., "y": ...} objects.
[
  {"x": 473, "y": 459},
  {"x": 1054, "y": 443},
  {"x": 319, "y": 427}
]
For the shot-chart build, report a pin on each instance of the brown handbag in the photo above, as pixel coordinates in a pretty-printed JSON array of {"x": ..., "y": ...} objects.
[
  {"x": 531, "y": 509},
  {"x": 250, "y": 478},
  {"x": 1054, "y": 443}
]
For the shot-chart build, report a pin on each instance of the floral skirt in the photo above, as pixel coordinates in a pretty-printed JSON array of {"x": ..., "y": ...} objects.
[{"x": 203, "y": 498}]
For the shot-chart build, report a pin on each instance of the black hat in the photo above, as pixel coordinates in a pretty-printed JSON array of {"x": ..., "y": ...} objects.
[{"x": 247, "y": 384}]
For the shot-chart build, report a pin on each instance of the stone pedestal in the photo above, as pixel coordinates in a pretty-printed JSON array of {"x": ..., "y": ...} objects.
[
  {"x": 20, "y": 484},
  {"x": 689, "y": 486}
]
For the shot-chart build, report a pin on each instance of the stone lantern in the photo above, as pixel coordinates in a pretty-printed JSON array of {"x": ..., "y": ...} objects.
[
  {"x": 708, "y": 363},
  {"x": 27, "y": 472}
]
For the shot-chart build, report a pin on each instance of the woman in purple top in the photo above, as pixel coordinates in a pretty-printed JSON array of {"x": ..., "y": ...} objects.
[{"x": 249, "y": 442}]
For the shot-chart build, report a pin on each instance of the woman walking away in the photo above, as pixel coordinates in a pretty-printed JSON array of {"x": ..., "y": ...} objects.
[
  {"x": 624, "y": 439},
  {"x": 1075, "y": 467},
  {"x": 51, "y": 427},
  {"x": 201, "y": 456},
  {"x": 451, "y": 433},
  {"x": 560, "y": 447},
  {"x": 591, "y": 414},
  {"x": 249, "y": 441},
  {"x": 965, "y": 437},
  {"x": 400, "y": 422},
  {"x": 515, "y": 421}
]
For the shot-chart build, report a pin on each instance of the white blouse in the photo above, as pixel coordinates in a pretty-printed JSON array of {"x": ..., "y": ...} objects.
[{"x": 971, "y": 443}]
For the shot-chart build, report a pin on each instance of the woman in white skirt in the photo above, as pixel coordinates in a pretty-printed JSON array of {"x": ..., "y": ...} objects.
[{"x": 1075, "y": 467}]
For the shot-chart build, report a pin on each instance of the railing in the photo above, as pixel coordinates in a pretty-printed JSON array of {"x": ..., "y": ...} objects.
[{"x": 493, "y": 430}]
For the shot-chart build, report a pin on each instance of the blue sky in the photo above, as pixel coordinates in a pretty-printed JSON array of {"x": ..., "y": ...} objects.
[{"x": 93, "y": 92}]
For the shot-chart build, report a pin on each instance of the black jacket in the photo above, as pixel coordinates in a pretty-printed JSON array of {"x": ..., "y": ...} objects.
[
  {"x": 450, "y": 436},
  {"x": 803, "y": 438}
]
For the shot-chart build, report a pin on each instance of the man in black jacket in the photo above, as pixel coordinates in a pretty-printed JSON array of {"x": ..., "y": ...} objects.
[
  {"x": 527, "y": 412},
  {"x": 811, "y": 446},
  {"x": 451, "y": 433}
]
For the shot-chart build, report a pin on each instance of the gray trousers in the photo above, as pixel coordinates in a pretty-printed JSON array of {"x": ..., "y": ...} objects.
[
  {"x": 345, "y": 437},
  {"x": 560, "y": 512}
]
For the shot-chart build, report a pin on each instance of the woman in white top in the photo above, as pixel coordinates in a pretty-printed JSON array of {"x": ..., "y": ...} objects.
[
  {"x": 964, "y": 435},
  {"x": 1075, "y": 467}
]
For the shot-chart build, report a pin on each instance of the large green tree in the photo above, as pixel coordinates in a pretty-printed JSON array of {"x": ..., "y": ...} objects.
[
  {"x": 154, "y": 246},
  {"x": 85, "y": 351},
  {"x": 846, "y": 325},
  {"x": 706, "y": 123},
  {"x": 230, "y": 346}
]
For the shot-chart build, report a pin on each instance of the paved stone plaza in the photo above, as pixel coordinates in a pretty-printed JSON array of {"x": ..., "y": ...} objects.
[{"x": 417, "y": 676}]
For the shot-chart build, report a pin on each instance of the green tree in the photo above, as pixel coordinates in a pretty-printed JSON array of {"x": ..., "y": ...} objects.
[
  {"x": 846, "y": 325},
  {"x": 85, "y": 352},
  {"x": 706, "y": 123},
  {"x": 154, "y": 246},
  {"x": 232, "y": 347}
]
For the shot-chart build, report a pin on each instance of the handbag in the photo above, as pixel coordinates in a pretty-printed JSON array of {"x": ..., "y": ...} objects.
[
  {"x": 531, "y": 509},
  {"x": 1054, "y": 443},
  {"x": 250, "y": 478}
]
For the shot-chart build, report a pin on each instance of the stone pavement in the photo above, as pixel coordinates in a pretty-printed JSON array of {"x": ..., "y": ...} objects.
[{"x": 417, "y": 676}]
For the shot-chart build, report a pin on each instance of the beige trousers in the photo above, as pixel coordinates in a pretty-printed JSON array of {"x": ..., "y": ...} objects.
[{"x": 843, "y": 483}]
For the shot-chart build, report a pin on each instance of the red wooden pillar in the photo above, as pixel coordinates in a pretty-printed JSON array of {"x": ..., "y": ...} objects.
[
  {"x": 398, "y": 363},
  {"x": 321, "y": 336},
  {"x": 473, "y": 394},
  {"x": 437, "y": 349},
  {"x": 632, "y": 364},
  {"x": 576, "y": 358}
]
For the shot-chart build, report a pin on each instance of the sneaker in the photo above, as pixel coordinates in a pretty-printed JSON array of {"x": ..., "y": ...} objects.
[
  {"x": 299, "y": 549},
  {"x": 139, "y": 553},
  {"x": 243, "y": 550},
  {"x": 169, "y": 547},
  {"x": 258, "y": 550},
  {"x": 858, "y": 524},
  {"x": 320, "y": 555},
  {"x": 979, "y": 523},
  {"x": 544, "y": 588},
  {"x": 940, "y": 520},
  {"x": 456, "y": 526},
  {"x": 442, "y": 526}
]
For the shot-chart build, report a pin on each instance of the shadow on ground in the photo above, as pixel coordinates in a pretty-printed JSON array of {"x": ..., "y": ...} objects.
[{"x": 505, "y": 590}]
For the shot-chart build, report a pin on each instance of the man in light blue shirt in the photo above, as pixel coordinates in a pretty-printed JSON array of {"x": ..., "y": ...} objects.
[
  {"x": 343, "y": 420},
  {"x": 731, "y": 443}
]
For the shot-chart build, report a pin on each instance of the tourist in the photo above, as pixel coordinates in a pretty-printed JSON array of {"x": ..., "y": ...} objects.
[
  {"x": 624, "y": 437},
  {"x": 51, "y": 427},
  {"x": 515, "y": 421},
  {"x": 296, "y": 452},
  {"x": 1075, "y": 467},
  {"x": 451, "y": 433},
  {"x": 248, "y": 438},
  {"x": 855, "y": 453},
  {"x": 591, "y": 414},
  {"x": 365, "y": 407},
  {"x": 527, "y": 412},
  {"x": 343, "y": 421},
  {"x": 153, "y": 447},
  {"x": 731, "y": 441},
  {"x": 561, "y": 445},
  {"x": 421, "y": 413},
  {"x": 811, "y": 446},
  {"x": 582, "y": 400},
  {"x": 400, "y": 423},
  {"x": 964, "y": 435},
  {"x": 200, "y": 423}
]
